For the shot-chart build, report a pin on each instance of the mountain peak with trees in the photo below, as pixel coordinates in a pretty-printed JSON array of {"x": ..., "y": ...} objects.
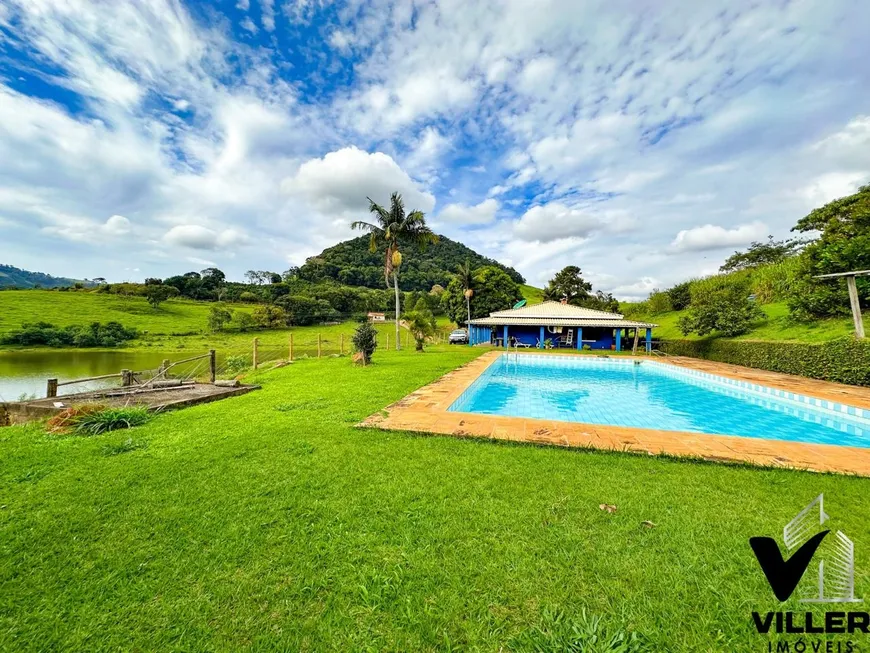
[{"x": 352, "y": 263}]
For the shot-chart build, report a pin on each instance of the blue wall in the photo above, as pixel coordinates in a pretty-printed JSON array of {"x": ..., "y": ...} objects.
[{"x": 596, "y": 338}]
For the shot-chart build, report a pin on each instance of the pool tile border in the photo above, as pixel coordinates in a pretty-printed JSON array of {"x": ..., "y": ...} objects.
[{"x": 426, "y": 410}]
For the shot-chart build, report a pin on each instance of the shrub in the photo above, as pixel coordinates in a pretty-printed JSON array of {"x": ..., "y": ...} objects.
[
  {"x": 94, "y": 419},
  {"x": 774, "y": 282},
  {"x": 659, "y": 302},
  {"x": 365, "y": 341},
  {"x": 110, "y": 419},
  {"x": 303, "y": 311},
  {"x": 156, "y": 294},
  {"x": 634, "y": 308},
  {"x": 720, "y": 303},
  {"x": 269, "y": 317},
  {"x": 244, "y": 321},
  {"x": 846, "y": 360},
  {"x": 236, "y": 364},
  {"x": 218, "y": 318},
  {"x": 680, "y": 296},
  {"x": 421, "y": 323}
]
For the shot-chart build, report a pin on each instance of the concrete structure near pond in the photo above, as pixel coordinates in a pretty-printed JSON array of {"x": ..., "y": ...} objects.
[
  {"x": 562, "y": 324},
  {"x": 155, "y": 399}
]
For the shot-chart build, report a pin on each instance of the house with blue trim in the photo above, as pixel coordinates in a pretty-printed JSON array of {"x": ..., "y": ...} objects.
[{"x": 563, "y": 325}]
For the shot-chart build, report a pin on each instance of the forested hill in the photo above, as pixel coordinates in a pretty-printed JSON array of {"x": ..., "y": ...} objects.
[
  {"x": 12, "y": 277},
  {"x": 352, "y": 263}
]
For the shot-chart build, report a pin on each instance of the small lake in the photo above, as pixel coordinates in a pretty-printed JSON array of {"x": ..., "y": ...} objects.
[{"x": 26, "y": 372}]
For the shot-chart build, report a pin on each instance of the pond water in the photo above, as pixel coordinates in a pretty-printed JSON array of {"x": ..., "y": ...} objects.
[{"x": 26, "y": 372}]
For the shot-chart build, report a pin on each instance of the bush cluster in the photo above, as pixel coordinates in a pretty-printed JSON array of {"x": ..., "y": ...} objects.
[
  {"x": 95, "y": 334},
  {"x": 846, "y": 360}
]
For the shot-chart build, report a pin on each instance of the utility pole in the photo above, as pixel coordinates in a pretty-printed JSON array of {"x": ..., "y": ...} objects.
[{"x": 853, "y": 296}]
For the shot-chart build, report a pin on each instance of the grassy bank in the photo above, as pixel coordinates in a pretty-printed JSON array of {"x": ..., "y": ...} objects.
[
  {"x": 268, "y": 522},
  {"x": 74, "y": 308},
  {"x": 776, "y": 326}
]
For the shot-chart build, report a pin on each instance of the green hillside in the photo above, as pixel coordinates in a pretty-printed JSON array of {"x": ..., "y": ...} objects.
[
  {"x": 353, "y": 264},
  {"x": 777, "y": 326},
  {"x": 72, "y": 308},
  {"x": 531, "y": 294},
  {"x": 12, "y": 277}
]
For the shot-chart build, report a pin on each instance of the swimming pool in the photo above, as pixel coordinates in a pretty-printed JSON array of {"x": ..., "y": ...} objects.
[{"x": 651, "y": 395}]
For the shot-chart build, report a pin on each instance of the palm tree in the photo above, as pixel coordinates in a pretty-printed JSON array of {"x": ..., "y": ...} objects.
[
  {"x": 390, "y": 227},
  {"x": 465, "y": 276}
]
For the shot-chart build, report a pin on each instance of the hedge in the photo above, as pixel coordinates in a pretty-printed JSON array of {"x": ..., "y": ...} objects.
[{"x": 846, "y": 360}]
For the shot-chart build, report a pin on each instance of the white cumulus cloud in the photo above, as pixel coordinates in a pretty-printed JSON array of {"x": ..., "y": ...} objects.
[
  {"x": 339, "y": 183},
  {"x": 708, "y": 236},
  {"x": 483, "y": 213},
  {"x": 199, "y": 237},
  {"x": 555, "y": 221}
]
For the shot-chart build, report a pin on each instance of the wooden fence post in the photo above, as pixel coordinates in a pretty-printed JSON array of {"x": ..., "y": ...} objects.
[
  {"x": 318, "y": 345},
  {"x": 388, "y": 342},
  {"x": 290, "y": 352},
  {"x": 256, "y": 346},
  {"x": 341, "y": 344},
  {"x": 164, "y": 366},
  {"x": 212, "y": 365},
  {"x": 51, "y": 390}
]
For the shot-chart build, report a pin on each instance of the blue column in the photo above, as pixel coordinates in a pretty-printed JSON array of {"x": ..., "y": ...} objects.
[
  {"x": 619, "y": 340},
  {"x": 541, "y": 339},
  {"x": 649, "y": 340},
  {"x": 579, "y": 337},
  {"x": 507, "y": 343}
]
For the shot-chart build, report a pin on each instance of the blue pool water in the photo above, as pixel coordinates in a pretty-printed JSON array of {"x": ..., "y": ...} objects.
[{"x": 650, "y": 395}]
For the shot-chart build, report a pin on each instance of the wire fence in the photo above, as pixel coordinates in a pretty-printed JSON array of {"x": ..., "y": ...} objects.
[{"x": 206, "y": 366}]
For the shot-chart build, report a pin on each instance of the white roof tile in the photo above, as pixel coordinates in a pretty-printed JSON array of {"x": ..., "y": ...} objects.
[{"x": 558, "y": 314}]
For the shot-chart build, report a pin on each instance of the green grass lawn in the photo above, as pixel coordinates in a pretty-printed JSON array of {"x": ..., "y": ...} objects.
[
  {"x": 175, "y": 325},
  {"x": 777, "y": 326},
  {"x": 269, "y": 522}
]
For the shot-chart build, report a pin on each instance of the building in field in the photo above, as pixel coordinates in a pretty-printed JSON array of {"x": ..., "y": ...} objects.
[
  {"x": 377, "y": 317},
  {"x": 564, "y": 325}
]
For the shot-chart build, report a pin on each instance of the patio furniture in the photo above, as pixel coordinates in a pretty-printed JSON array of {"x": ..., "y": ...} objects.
[{"x": 516, "y": 343}]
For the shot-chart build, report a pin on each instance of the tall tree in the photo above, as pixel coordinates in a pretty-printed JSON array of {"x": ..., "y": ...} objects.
[
  {"x": 844, "y": 246},
  {"x": 494, "y": 290},
  {"x": 568, "y": 284},
  {"x": 465, "y": 275},
  {"x": 392, "y": 227},
  {"x": 759, "y": 253}
]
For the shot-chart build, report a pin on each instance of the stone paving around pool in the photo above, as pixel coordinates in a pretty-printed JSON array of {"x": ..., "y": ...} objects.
[{"x": 426, "y": 411}]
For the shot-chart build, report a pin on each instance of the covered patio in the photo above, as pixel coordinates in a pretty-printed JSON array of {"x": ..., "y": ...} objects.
[{"x": 563, "y": 325}]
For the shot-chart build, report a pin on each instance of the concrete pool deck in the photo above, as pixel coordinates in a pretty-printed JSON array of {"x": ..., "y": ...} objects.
[{"x": 425, "y": 410}]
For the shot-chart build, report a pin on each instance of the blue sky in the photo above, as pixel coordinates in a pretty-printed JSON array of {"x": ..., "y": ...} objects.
[{"x": 644, "y": 140}]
